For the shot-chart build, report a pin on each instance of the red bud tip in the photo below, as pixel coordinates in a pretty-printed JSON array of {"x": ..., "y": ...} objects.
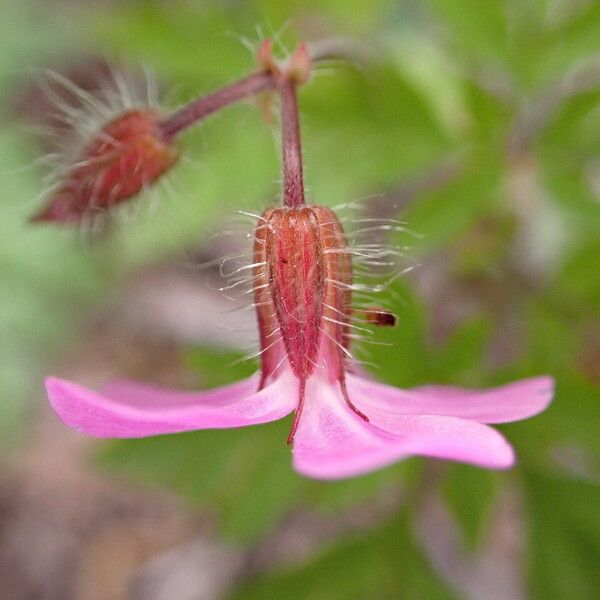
[
  {"x": 265, "y": 58},
  {"x": 300, "y": 65},
  {"x": 296, "y": 69}
]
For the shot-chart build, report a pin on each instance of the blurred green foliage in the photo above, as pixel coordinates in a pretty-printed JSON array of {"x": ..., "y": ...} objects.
[
  {"x": 382, "y": 564},
  {"x": 507, "y": 94}
]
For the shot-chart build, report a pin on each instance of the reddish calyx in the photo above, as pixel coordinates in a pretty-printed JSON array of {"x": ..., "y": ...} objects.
[
  {"x": 302, "y": 290},
  {"x": 125, "y": 156}
]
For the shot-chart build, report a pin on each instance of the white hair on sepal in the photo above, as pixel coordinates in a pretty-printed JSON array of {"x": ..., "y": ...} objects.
[
  {"x": 95, "y": 225},
  {"x": 378, "y": 260},
  {"x": 376, "y": 263},
  {"x": 373, "y": 254},
  {"x": 234, "y": 269}
]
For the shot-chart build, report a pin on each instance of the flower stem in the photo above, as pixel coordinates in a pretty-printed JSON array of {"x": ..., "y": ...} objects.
[
  {"x": 293, "y": 182},
  {"x": 198, "y": 109}
]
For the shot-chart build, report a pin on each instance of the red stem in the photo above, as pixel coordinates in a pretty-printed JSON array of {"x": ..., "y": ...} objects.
[
  {"x": 198, "y": 109},
  {"x": 293, "y": 182}
]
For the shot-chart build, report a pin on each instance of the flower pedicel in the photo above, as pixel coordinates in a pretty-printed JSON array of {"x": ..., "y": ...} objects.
[{"x": 344, "y": 424}]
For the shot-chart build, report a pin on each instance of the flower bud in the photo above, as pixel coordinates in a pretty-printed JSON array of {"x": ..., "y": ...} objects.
[{"x": 124, "y": 157}]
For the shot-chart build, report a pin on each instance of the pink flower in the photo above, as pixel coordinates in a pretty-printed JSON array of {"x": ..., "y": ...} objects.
[
  {"x": 344, "y": 424},
  {"x": 331, "y": 441}
]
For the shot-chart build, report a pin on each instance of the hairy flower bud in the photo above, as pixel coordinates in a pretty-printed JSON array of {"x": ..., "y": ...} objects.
[{"x": 125, "y": 156}]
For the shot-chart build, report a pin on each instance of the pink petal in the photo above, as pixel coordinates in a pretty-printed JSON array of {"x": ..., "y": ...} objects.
[
  {"x": 128, "y": 409},
  {"x": 332, "y": 442},
  {"x": 510, "y": 402}
]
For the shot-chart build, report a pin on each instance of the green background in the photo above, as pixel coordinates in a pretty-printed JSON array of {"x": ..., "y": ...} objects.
[{"x": 475, "y": 121}]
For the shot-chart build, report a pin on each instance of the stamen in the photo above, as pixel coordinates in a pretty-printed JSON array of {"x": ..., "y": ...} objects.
[
  {"x": 349, "y": 402},
  {"x": 298, "y": 412}
]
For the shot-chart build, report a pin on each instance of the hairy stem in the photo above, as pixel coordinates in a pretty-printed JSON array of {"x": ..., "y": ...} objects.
[
  {"x": 254, "y": 83},
  {"x": 293, "y": 182},
  {"x": 198, "y": 109}
]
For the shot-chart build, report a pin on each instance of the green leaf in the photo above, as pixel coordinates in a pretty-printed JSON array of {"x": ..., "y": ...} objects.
[
  {"x": 567, "y": 131},
  {"x": 580, "y": 281},
  {"x": 570, "y": 41},
  {"x": 469, "y": 493},
  {"x": 564, "y": 537},
  {"x": 400, "y": 356},
  {"x": 462, "y": 356},
  {"x": 244, "y": 475},
  {"x": 383, "y": 564},
  {"x": 186, "y": 43},
  {"x": 381, "y": 120},
  {"x": 362, "y": 18},
  {"x": 554, "y": 347},
  {"x": 488, "y": 117},
  {"x": 449, "y": 210},
  {"x": 48, "y": 278},
  {"x": 329, "y": 497},
  {"x": 571, "y": 192},
  {"x": 481, "y": 30},
  {"x": 219, "y": 367}
]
